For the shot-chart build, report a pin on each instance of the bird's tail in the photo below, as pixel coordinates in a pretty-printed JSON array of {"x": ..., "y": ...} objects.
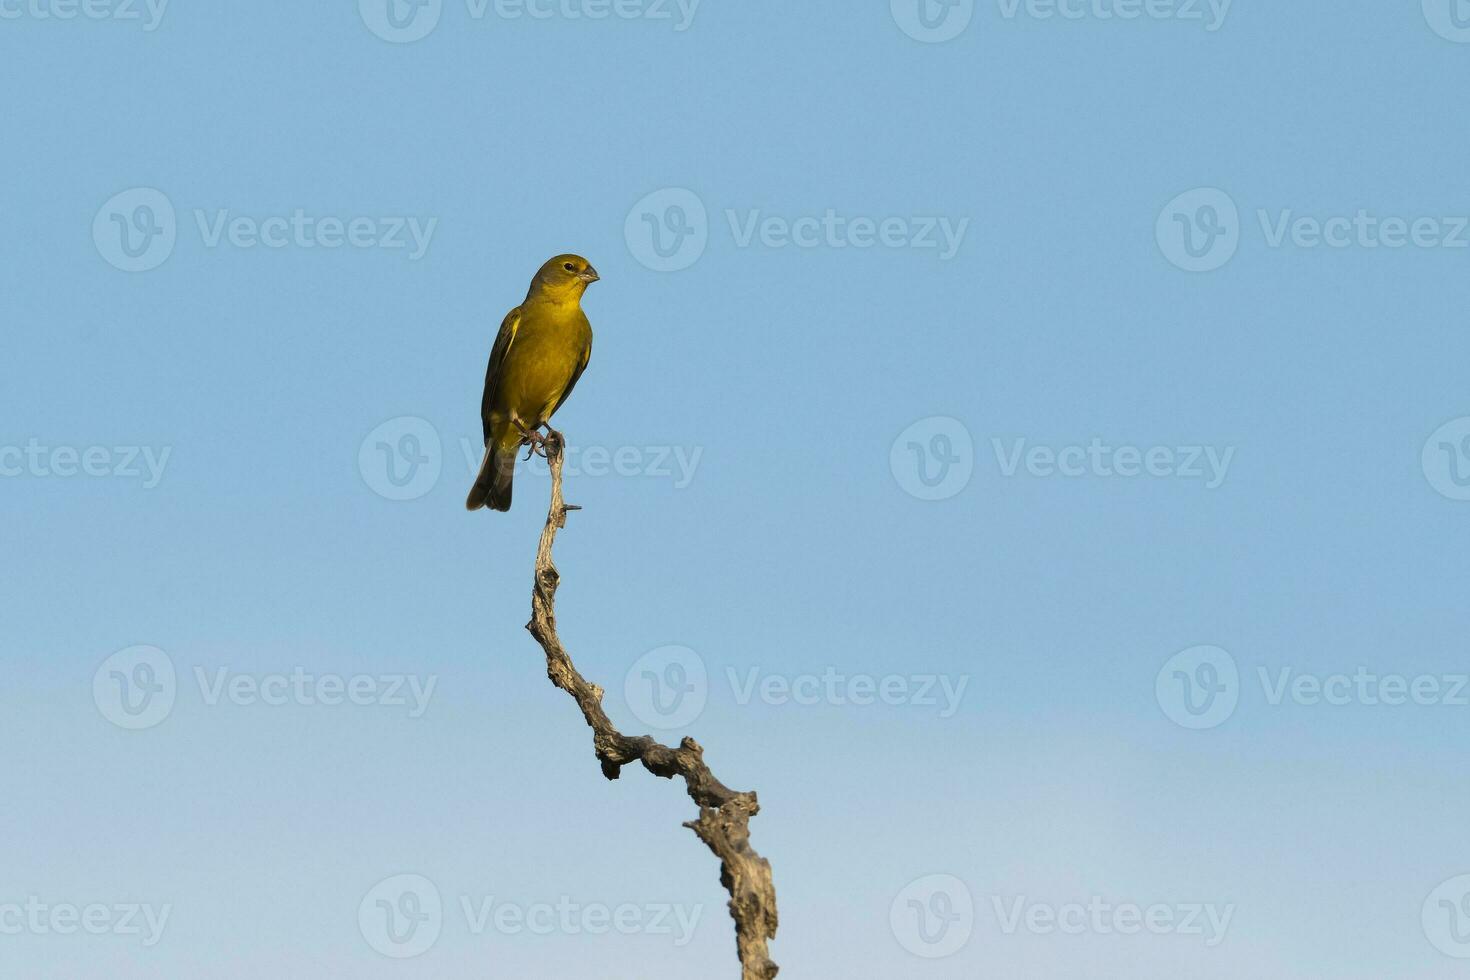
[{"x": 497, "y": 471}]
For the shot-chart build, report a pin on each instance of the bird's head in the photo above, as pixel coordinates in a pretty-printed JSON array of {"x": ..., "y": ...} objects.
[{"x": 564, "y": 278}]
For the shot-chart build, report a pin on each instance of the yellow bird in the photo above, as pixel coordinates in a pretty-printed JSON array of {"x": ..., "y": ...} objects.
[{"x": 542, "y": 349}]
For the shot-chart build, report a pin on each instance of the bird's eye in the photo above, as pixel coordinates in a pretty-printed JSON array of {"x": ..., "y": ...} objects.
[{"x": 569, "y": 267}]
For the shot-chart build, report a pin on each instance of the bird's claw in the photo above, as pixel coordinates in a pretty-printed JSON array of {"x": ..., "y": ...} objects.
[{"x": 536, "y": 444}]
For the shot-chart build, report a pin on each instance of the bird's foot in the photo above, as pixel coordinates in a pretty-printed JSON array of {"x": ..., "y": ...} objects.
[{"x": 533, "y": 440}]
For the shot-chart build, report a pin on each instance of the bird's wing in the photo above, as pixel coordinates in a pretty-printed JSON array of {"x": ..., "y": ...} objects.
[
  {"x": 581, "y": 366},
  {"x": 503, "y": 340}
]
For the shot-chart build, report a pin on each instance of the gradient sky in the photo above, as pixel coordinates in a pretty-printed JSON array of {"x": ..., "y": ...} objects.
[{"x": 816, "y": 395}]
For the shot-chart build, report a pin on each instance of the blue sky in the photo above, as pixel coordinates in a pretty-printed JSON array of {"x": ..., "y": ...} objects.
[{"x": 1026, "y": 442}]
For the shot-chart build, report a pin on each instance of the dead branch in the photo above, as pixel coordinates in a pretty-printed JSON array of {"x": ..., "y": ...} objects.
[{"x": 724, "y": 814}]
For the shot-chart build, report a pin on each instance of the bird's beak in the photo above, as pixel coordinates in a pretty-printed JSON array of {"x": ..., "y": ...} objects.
[{"x": 588, "y": 275}]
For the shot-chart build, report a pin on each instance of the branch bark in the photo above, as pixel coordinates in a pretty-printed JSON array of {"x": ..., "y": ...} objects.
[{"x": 724, "y": 814}]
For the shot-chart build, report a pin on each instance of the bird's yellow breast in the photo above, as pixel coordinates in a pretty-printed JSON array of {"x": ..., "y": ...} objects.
[{"x": 550, "y": 345}]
